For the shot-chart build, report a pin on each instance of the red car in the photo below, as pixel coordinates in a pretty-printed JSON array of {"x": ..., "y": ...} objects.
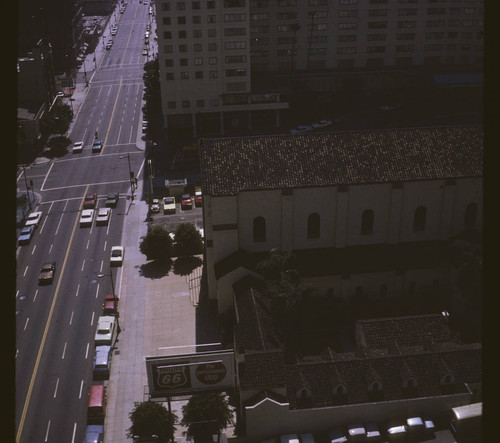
[
  {"x": 198, "y": 199},
  {"x": 186, "y": 202},
  {"x": 90, "y": 201},
  {"x": 109, "y": 307}
]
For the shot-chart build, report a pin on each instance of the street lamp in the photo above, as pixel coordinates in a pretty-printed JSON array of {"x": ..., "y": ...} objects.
[{"x": 117, "y": 315}]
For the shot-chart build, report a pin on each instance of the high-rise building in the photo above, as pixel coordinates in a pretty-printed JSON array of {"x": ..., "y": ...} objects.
[{"x": 211, "y": 52}]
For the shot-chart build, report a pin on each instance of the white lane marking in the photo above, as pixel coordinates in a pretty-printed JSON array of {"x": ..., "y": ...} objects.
[
  {"x": 92, "y": 320},
  {"x": 88, "y": 241},
  {"x": 25, "y": 271},
  {"x": 109, "y": 223},
  {"x": 97, "y": 291},
  {"x": 50, "y": 249},
  {"x": 46, "y": 177},
  {"x": 83, "y": 264},
  {"x": 47, "y": 433},
  {"x": 88, "y": 184},
  {"x": 74, "y": 432},
  {"x": 17, "y": 293},
  {"x": 71, "y": 318},
  {"x": 32, "y": 252},
  {"x": 105, "y": 243},
  {"x": 26, "y": 324},
  {"x": 81, "y": 389},
  {"x": 64, "y": 350},
  {"x": 102, "y": 264},
  {"x": 87, "y": 351},
  {"x": 55, "y": 391},
  {"x": 34, "y": 298},
  {"x": 77, "y": 290},
  {"x": 62, "y": 214},
  {"x": 45, "y": 219}
]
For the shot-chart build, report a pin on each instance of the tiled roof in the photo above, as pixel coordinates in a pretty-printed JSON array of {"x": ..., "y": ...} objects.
[
  {"x": 263, "y": 370},
  {"x": 421, "y": 330},
  {"x": 231, "y": 165}
]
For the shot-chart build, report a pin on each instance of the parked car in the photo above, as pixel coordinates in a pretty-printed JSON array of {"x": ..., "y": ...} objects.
[
  {"x": 77, "y": 147},
  {"x": 117, "y": 254},
  {"x": 47, "y": 273},
  {"x": 112, "y": 199},
  {"x": 321, "y": 124},
  {"x": 25, "y": 235},
  {"x": 90, "y": 201},
  {"x": 102, "y": 362},
  {"x": 144, "y": 52},
  {"x": 356, "y": 432},
  {"x": 105, "y": 330},
  {"x": 155, "y": 206},
  {"x": 186, "y": 202},
  {"x": 169, "y": 205},
  {"x": 289, "y": 438},
  {"x": 94, "y": 434},
  {"x": 145, "y": 123},
  {"x": 301, "y": 129},
  {"x": 198, "y": 199},
  {"x": 103, "y": 216},
  {"x": 337, "y": 435},
  {"x": 97, "y": 146},
  {"x": 87, "y": 217},
  {"x": 110, "y": 305},
  {"x": 33, "y": 219},
  {"x": 372, "y": 432},
  {"x": 307, "y": 438},
  {"x": 396, "y": 431},
  {"x": 109, "y": 44},
  {"x": 113, "y": 32}
]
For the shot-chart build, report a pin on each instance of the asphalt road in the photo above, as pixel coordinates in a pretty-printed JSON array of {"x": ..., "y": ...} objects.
[{"x": 55, "y": 324}]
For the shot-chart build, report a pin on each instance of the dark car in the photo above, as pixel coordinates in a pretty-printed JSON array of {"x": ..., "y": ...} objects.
[
  {"x": 97, "y": 146},
  {"x": 186, "y": 202},
  {"x": 47, "y": 272},
  {"x": 112, "y": 199},
  {"x": 198, "y": 199},
  {"x": 90, "y": 201}
]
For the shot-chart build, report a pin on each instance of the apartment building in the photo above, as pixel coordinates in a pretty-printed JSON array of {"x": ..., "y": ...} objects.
[{"x": 211, "y": 52}]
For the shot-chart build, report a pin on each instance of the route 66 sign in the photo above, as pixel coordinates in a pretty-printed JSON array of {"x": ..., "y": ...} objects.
[{"x": 172, "y": 377}]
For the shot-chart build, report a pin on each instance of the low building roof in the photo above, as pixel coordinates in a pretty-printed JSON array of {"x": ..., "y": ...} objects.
[{"x": 232, "y": 165}]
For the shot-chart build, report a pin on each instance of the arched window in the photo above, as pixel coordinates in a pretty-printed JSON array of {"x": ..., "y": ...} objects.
[
  {"x": 470, "y": 216},
  {"x": 367, "y": 222},
  {"x": 419, "y": 219},
  {"x": 313, "y": 222},
  {"x": 259, "y": 229}
]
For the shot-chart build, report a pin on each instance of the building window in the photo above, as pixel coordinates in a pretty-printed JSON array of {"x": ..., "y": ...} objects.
[
  {"x": 165, "y": 6},
  {"x": 197, "y": 47},
  {"x": 171, "y": 105},
  {"x": 377, "y": 13},
  {"x": 406, "y": 11},
  {"x": 214, "y": 102},
  {"x": 183, "y": 61},
  {"x": 198, "y": 61},
  {"x": 375, "y": 49},
  {"x": 351, "y": 50},
  {"x": 181, "y": 6},
  {"x": 234, "y": 3},
  {"x": 348, "y": 13},
  {"x": 169, "y": 62},
  {"x": 186, "y": 103},
  {"x": 212, "y": 74},
  {"x": 170, "y": 76},
  {"x": 405, "y": 36},
  {"x": 196, "y": 19},
  {"x": 259, "y": 229},
  {"x": 470, "y": 216},
  {"x": 167, "y": 35},
  {"x": 281, "y": 16},
  {"x": 200, "y": 103},
  {"x": 234, "y": 17},
  {"x": 347, "y": 38},
  {"x": 377, "y": 25},
  {"x": 376, "y": 37},
  {"x": 235, "y": 59},
  {"x": 436, "y": 11},
  {"x": 211, "y": 5},
  {"x": 211, "y": 19},
  {"x": 198, "y": 75},
  {"x": 184, "y": 75},
  {"x": 183, "y": 48},
  {"x": 212, "y": 60},
  {"x": 197, "y": 33},
  {"x": 166, "y": 20},
  {"x": 344, "y": 26},
  {"x": 235, "y": 45},
  {"x": 212, "y": 47},
  {"x": 236, "y": 72},
  {"x": 348, "y": 2},
  {"x": 367, "y": 222},
  {"x": 182, "y": 34},
  {"x": 313, "y": 225},
  {"x": 407, "y": 24},
  {"x": 195, "y": 5},
  {"x": 287, "y": 2},
  {"x": 419, "y": 219},
  {"x": 168, "y": 49},
  {"x": 181, "y": 20}
]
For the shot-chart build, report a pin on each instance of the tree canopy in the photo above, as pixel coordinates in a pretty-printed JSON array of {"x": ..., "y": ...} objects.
[
  {"x": 156, "y": 244},
  {"x": 188, "y": 240},
  {"x": 150, "y": 418}
]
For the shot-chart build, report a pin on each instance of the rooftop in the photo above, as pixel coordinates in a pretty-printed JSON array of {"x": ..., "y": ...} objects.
[{"x": 232, "y": 165}]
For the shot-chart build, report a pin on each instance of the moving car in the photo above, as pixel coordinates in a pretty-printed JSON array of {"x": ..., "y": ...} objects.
[
  {"x": 102, "y": 362},
  {"x": 47, "y": 273},
  {"x": 26, "y": 234},
  {"x": 155, "y": 206},
  {"x": 198, "y": 199},
  {"x": 97, "y": 146},
  {"x": 90, "y": 201},
  {"x": 77, "y": 147},
  {"x": 169, "y": 205},
  {"x": 117, "y": 254},
  {"x": 87, "y": 217},
  {"x": 94, "y": 434},
  {"x": 33, "y": 219},
  {"x": 110, "y": 305},
  {"x": 103, "y": 215},
  {"x": 112, "y": 199},
  {"x": 186, "y": 202},
  {"x": 105, "y": 330}
]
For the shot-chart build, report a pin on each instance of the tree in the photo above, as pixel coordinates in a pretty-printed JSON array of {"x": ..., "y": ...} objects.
[
  {"x": 56, "y": 121},
  {"x": 156, "y": 244},
  {"x": 152, "y": 94},
  {"x": 206, "y": 415},
  {"x": 188, "y": 240},
  {"x": 150, "y": 418}
]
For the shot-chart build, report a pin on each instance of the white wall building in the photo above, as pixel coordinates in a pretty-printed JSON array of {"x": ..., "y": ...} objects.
[{"x": 390, "y": 197}]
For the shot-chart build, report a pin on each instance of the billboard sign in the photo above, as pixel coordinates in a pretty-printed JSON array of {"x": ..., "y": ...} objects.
[{"x": 188, "y": 373}]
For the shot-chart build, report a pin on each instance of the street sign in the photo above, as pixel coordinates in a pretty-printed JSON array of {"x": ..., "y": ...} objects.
[{"x": 188, "y": 373}]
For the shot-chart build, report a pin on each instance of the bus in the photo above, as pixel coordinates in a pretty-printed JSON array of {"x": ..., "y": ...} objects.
[
  {"x": 96, "y": 410},
  {"x": 465, "y": 422}
]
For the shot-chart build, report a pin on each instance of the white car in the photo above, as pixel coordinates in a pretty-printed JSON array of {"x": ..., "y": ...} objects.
[
  {"x": 169, "y": 205},
  {"x": 113, "y": 32},
  {"x": 77, "y": 147},
  {"x": 155, "y": 206},
  {"x": 34, "y": 219},
  {"x": 117, "y": 254},
  {"x": 301, "y": 129},
  {"x": 86, "y": 217},
  {"x": 105, "y": 330},
  {"x": 103, "y": 215},
  {"x": 321, "y": 124}
]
